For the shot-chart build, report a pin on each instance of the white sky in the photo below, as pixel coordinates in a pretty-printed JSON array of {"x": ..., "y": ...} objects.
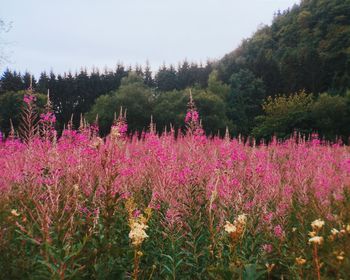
[{"x": 65, "y": 35}]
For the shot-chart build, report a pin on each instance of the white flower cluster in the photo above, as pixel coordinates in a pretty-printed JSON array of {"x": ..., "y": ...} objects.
[
  {"x": 316, "y": 240},
  {"x": 239, "y": 223},
  {"x": 317, "y": 224},
  {"x": 137, "y": 233},
  {"x": 230, "y": 228}
]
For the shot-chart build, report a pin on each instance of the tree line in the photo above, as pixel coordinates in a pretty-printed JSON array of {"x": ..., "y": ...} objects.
[{"x": 75, "y": 94}]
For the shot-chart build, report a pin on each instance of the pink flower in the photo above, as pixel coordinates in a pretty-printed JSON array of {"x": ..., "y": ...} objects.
[
  {"x": 156, "y": 206},
  {"x": 278, "y": 231},
  {"x": 268, "y": 217},
  {"x": 123, "y": 128},
  {"x": 48, "y": 117},
  {"x": 29, "y": 98},
  {"x": 188, "y": 117},
  {"x": 136, "y": 213},
  {"x": 192, "y": 116},
  {"x": 267, "y": 248},
  {"x": 195, "y": 116}
]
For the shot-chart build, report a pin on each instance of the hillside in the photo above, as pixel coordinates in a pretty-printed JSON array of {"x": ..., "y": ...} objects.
[{"x": 306, "y": 47}]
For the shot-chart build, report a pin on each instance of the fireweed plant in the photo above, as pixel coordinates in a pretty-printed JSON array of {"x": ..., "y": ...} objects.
[{"x": 159, "y": 207}]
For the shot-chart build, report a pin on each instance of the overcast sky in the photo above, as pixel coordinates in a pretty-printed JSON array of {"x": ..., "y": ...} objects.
[{"x": 68, "y": 34}]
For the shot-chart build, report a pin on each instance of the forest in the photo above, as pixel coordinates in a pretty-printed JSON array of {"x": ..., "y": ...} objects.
[{"x": 290, "y": 76}]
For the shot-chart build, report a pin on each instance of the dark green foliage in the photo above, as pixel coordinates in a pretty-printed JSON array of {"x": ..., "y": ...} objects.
[
  {"x": 331, "y": 115},
  {"x": 285, "y": 114},
  {"x": 75, "y": 94},
  {"x": 11, "y": 104},
  {"x": 186, "y": 75},
  {"x": 166, "y": 79},
  {"x": 247, "y": 93},
  {"x": 11, "y": 81},
  {"x": 196, "y": 247},
  {"x": 170, "y": 109},
  {"x": 326, "y": 114},
  {"x": 133, "y": 95},
  {"x": 213, "y": 111},
  {"x": 70, "y": 94},
  {"x": 306, "y": 47}
]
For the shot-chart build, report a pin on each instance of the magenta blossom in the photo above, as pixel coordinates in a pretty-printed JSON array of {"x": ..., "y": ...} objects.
[
  {"x": 278, "y": 231},
  {"x": 267, "y": 248},
  {"x": 192, "y": 116},
  {"x": 48, "y": 117},
  {"x": 29, "y": 98},
  {"x": 136, "y": 213}
]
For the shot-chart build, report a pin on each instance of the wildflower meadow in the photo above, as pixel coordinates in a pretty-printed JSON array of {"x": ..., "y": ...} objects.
[{"x": 176, "y": 205}]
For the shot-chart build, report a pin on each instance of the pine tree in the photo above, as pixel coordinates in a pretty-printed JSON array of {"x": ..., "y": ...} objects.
[{"x": 11, "y": 81}]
